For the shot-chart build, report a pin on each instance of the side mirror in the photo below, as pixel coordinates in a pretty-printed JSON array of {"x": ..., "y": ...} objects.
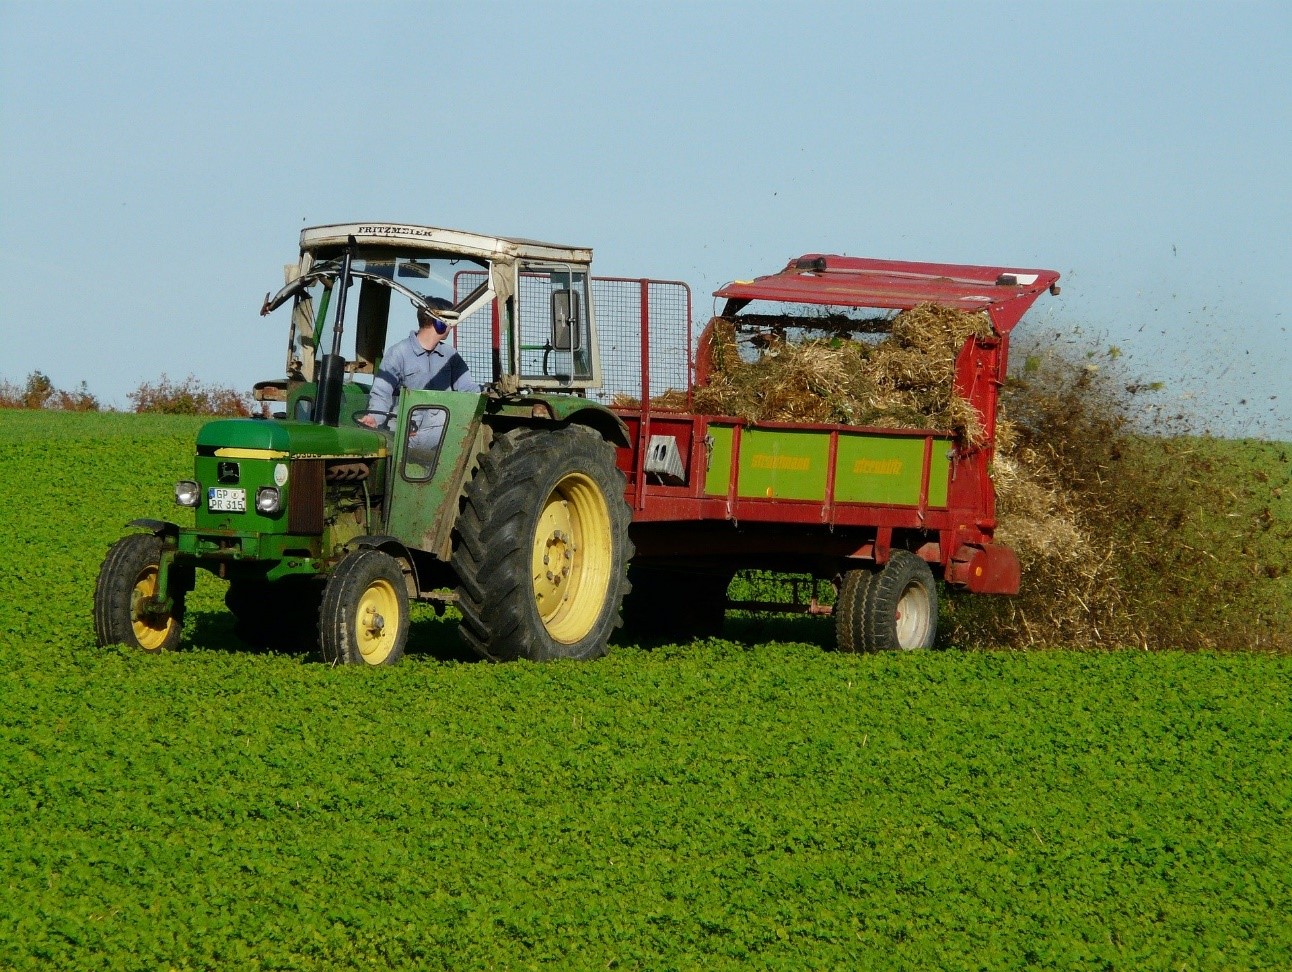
[
  {"x": 270, "y": 391},
  {"x": 411, "y": 268},
  {"x": 566, "y": 320}
]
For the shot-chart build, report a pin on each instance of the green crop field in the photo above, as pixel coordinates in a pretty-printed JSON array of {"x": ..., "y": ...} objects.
[{"x": 750, "y": 802}]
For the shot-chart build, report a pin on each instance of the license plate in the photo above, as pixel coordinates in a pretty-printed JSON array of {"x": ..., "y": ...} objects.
[{"x": 220, "y": 500}]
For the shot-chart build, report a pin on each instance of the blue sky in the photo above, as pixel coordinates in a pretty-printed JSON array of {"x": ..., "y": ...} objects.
[{"x": 159, "y": 160}]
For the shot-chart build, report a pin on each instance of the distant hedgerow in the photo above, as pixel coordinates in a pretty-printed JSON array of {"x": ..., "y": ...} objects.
[
  {"x": 38, "y": 392},
  {"x": 190, "y": 397}
]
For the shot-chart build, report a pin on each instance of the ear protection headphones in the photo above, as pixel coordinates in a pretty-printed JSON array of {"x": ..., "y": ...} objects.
[{"x": 423, "y": 313}]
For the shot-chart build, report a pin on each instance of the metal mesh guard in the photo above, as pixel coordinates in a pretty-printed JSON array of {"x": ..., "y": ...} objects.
[{"x": 624, "y": 307}]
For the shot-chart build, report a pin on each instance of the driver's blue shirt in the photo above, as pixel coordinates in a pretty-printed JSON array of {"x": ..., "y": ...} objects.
[{"x": 409, "y": 365}]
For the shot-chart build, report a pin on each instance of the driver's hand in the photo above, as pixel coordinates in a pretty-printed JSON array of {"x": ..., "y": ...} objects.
[{"x": 369, "y": 420}]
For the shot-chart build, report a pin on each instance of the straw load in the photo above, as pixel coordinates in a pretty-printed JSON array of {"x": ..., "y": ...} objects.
[{"x": 813, "y": 369}]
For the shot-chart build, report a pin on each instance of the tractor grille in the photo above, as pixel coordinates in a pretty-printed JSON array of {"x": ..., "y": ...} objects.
[{"x": 305, "y": 496}]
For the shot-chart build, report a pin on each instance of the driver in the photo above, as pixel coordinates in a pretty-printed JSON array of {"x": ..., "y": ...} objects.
[{"x": 419, "y": 362}]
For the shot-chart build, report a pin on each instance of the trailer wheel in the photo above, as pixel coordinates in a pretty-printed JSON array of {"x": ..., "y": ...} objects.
[
  {"x": 902, "y": 605},
  {"x": 364, "y": 616},
  {"x": 541, "y": 547},
  {"x": 850, "y": 611},
  {"x": 275, "y": 614},
  {"x": 126, "y": 584}
]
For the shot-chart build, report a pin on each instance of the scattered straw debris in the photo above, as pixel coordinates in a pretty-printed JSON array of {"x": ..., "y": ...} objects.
[{"x": 1130, "y": 533}]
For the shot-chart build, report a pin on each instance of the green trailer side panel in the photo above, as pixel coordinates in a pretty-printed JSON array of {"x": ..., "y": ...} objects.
[
  {"x": 718, "y": 475},
  {"x": 940, "y": 472},
  {"x": 778, "y": 464},
  {"x": 887, "y": 469},
  {"x": 870, "y": 468}
]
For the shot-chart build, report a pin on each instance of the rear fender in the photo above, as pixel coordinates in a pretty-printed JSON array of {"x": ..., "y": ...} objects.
[
  {"x": 989, "y": 569},
  {"x": 610, "y": 426},
  {"x": 159, "y": 528},
  {"x": 558, "y": 412}
]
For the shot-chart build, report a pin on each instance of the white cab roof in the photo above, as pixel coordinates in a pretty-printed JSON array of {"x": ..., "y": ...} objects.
[{"x": 435, "y": 239}]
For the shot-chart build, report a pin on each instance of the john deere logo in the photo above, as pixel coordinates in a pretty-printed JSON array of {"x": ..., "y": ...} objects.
[
  {"x": 795, "y": 463},
  {"x": 877, "y": 467}
]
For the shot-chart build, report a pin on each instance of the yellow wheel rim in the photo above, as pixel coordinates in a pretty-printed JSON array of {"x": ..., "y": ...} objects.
[
  {"x": 151, "y": 630},
  {"x": 376, "y": 622},
  {"x": 573, "y": 553}
]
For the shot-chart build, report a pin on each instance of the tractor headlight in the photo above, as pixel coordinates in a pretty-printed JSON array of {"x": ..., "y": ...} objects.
[
  {"x": 187, "y": 492},
  {"x": 267, "y": 499}
]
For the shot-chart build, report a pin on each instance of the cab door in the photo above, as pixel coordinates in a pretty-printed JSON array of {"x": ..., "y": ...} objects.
[{"x": 437, "y": 434}]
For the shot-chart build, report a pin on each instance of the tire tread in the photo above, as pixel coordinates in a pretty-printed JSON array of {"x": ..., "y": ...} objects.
[{"x": 492, "y": 546}]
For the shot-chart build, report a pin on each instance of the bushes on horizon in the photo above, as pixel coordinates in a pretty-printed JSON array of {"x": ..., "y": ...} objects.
[
  {"x": 190, "y": 397},
  {"x": 38, "y": 392},
  {"x": 163, "y": 397}
]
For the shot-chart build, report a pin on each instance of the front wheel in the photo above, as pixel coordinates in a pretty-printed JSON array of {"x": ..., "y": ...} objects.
[
  {"x": 364, "y": 616},
  {"x": 125, "y": 611}
]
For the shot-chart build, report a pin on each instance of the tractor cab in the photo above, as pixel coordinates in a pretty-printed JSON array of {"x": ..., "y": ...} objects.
[{"x": 519, "y": 312}]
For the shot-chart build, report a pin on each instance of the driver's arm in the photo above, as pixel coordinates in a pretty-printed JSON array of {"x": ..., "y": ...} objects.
[
  {"x": 461, "y": 375},
  {"x": 385, "y": 389}
]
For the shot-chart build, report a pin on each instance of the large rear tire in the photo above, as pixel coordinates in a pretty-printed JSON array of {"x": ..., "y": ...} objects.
[
  {"x": 364, "y": 616},
  {"x": 541, "y": 547},
  {"x": 123, "y": 593}
]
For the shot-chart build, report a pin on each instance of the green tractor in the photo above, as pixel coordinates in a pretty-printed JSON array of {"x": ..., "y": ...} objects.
[{"x": 506, "y": 502}]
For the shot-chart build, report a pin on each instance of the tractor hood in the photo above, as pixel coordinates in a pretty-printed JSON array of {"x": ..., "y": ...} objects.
[{"x": 272, "y": 439}]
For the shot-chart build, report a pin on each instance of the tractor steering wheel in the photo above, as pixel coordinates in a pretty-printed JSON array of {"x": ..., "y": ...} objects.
[{"x": 383, "y": 419}]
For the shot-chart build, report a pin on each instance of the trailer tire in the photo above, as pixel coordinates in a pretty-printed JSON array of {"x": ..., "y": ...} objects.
[
  {"x": 541, "y": 547},
  {"x": 902, "y": 605},
  {"x": 127, "y": 579},
  {"x": 850, "y": 611},
  {"x": 363, "y": 619}
]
